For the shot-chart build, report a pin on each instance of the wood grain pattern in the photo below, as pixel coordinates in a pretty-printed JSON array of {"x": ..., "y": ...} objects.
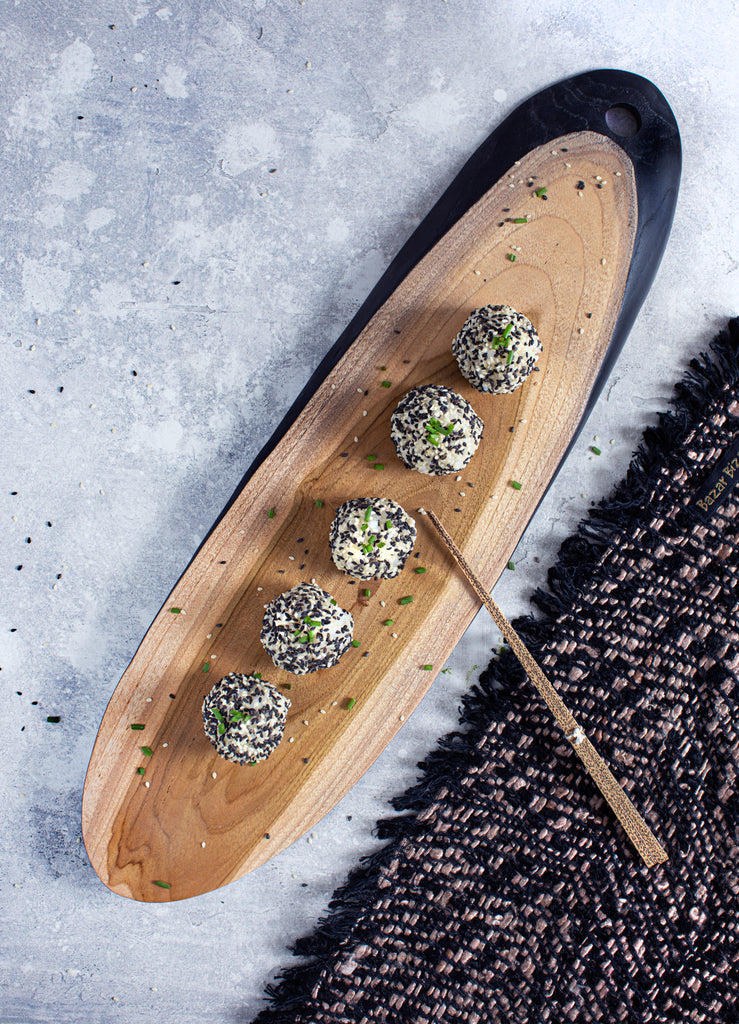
[{"x": 203, "y": 822}]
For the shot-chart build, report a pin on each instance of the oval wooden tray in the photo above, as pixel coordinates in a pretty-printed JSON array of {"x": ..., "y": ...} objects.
[{"x": 583, "y": 262}]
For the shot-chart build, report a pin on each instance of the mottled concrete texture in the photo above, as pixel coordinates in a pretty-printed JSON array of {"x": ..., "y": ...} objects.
[{"x": 197, "y": 195}]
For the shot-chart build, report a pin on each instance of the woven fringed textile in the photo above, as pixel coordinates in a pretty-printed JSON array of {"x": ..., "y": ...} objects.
[{"x": 507, "y": 892}]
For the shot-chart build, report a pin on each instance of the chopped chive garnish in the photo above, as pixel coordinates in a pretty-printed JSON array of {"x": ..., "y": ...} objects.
[
  {"x": 381, "y": 543},
  {"x": 595, "y": 451},
  {"x": 312, "y": 622},
  {"x": 350, "y": 703},
  {"x": 419, "y": 569},
  {"x": 137, "y": 727},
  {"x": 367, "y": 592},
  {"x": 511, "y": 566},
  {"x": 515, "y": 485},
  {"x": 387, "y": 383},
  {"x": 175, "y": 611},
  {"x": 512, "y": 257},
  {"x": 319, "y": 503},
  {"x": 368, "y": 510},
  {"x": 239, "y": 716},
  {"x": 146, "y": 751},
  {"x": 433, "y": 439},
  {"x": 271, "y": 514},
  {"x": 383, "y": 368},
  {"x": 389, "y": 622},
  {"x": 445, "y": 671},
  {"x": 206, "y": 667},
  {"x": 311, "y": 635},
  {"x": 217, "y": 714},
  {"x": 406, "y": 600},
  {"x": 363, "y": 526},
  {"x": 221, "y": 728},
  {"x": 53, "y": 718},
  {"x": 540, "y": 191},
  {"x": 509, "y": 360},
  {"x": 427, "y": 668},
  {"x": 141, "y": 771},
  {"x": 371, "y": 458},
  {"x": 257, "y": 675},
  {"x": 520, "y": 220},
  {"x": 162, "y": 885},
  {"x": 333, "y": 600},
  {"x": 288, "y": 686},
  {"x": 356, "y": 643},
  {"x": 388, "y": 524},
  {"x": 378, "y": 465}
]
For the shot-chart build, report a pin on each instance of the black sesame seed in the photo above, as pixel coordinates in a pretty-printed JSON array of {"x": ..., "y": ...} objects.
[{"x": 305, "y": 760}]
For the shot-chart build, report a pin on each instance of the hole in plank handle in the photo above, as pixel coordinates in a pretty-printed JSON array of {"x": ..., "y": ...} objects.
[{"x": 623, "y": 120}]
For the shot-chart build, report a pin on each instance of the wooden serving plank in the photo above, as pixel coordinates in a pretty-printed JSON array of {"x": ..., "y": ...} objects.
[{"x": 197, "y": 822}]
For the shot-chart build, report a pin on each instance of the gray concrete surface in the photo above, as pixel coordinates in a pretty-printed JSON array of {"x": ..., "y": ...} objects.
[{"x": 203, "y": 192}]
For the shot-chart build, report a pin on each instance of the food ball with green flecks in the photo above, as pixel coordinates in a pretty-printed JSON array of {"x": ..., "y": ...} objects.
[
  {"x": 244, "y": 717},
  {"x": 435, "y": 430},
  {"x": 305, "y": 630},
  {"x": 496, "y": 349},
  {"x": 371, "y": 538}
]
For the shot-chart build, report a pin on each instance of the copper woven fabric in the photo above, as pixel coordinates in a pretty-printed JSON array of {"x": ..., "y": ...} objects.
[{"x": 507, "y": 892}]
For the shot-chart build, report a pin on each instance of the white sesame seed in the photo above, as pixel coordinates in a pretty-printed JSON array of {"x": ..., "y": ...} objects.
[
  {"x": 322, "y": 711},
  {"x": 580, "y": 330},
  {"x": 603, "y": 262},
  {"x": 458, "y": 478},
  {"x": 291, "y": 740},
  {"x": 334, "y": 703},
  {"x": 149, "y": 700},
  {"x": 477, "y": 272},
  {"x": 568, "y": 165},
  {"x": 209, "y": 636},
  {"x": 214, "y": 775},
  {"x": 291, "y": 558},
  {"x": 165, "y": 744},
  {"x": 133, "y": 88},
  {"x": 333, "y": 387},
  {"x": 305, "y": 722},
  {"x": 147, "y": 784},
  {"x": 394, "y": 636},
  {"x": 203, "y": 844},
  {"x": 364, "y": 412},
  {"x": 382, "y": 604},
  {"x": 356, "y": 440},
  {"x": 618, "y": 174},
  {"x": 360, "y": 391},
  {"x": 402, "y": 718},
  {"x": 462, "y": 494}
]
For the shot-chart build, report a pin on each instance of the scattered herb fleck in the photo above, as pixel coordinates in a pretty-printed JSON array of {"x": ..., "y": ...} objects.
[
  {"x": 595, "y": 451},
  {"x": 319, "y": 503},
  {"x": 387, "y": 383},
  {"x": 162, "y": 885},
  {"x": 389, "y": 622},
  {"x": 175, "y": 611},
  {"x": 520, "y": 220},
  {"x": 427, "y": 668},
  {"x": 137, "y": 726},
  {"x": 271, "y": 514},
  {"x": 419, "y": 569},
  {"x": 515, "y": 485},
  {"x": 356, "y": 643},
  {"x": 540, "y": 191},
  {"x": 512, "y": 257},
  {"x": 146, "y": 751},
  {"x": 406, "y": 600},
  {"x": 350, "y": 703},
  {"x": 53, "y": 718},
  {"x": 511, "y": 566},
  {"x": 141, "y": 771}
]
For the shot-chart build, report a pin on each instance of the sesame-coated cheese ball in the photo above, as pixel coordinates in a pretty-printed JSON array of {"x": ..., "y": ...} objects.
[
  {"x": 496, "y": 349},
  {"x": 435, "y": 430},
  {"x": 304, "y": 629},
  {"x": 244, "y": 718},
  {"x": 371, "y": 538}
]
